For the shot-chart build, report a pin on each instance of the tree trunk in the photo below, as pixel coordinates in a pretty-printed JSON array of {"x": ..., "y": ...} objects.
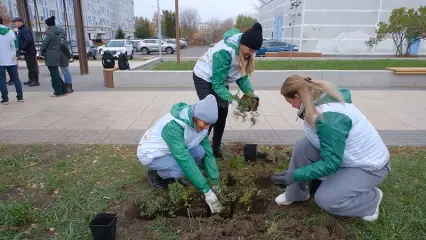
[{"x": 291, "y": 43}]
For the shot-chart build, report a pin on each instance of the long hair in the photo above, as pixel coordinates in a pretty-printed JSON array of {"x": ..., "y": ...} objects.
[
  {"x": 309, "y": 91},
  {"x": 245, "y": 67}
]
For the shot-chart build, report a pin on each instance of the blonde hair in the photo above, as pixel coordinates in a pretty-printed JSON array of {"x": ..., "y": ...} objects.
[
  {"x": 245, "y": 68},
  {"x": 309, "y": 91}
]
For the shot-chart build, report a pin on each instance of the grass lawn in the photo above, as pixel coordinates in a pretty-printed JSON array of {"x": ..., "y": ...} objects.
[
  {"x": 53, "y": 191},
  {"x": 311, "y": 64}
]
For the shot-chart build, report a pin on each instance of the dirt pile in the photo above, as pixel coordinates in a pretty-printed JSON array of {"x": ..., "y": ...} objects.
[{"x": 244, "y": 227}]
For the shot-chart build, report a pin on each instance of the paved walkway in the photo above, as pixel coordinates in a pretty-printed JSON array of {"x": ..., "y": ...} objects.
[{"x": 121, "y": 117}]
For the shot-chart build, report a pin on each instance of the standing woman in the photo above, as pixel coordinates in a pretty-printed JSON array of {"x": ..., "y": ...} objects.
[
  {"x": 66, "y": 55},
  {"x": 339, "y": 144},
  {"x": 51, "y": 50},
  {"x": 230, "y": 60}
]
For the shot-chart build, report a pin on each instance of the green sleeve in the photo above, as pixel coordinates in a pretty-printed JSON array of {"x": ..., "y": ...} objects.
[
  {"x": 332, "y": 129},
  {"x": 173, "y": 134},
  {"x": 16, "y": 42},
  {"x": 245, "y": 85},
  {"x": 221, "y": 64},
  {"x": 210, "y": 161}
]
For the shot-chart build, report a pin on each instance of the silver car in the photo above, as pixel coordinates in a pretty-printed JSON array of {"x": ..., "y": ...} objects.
[{"x": 152, "y": 45}]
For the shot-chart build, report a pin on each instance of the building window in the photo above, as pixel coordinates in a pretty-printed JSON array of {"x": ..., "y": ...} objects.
[{"x": 52, "y": 13}]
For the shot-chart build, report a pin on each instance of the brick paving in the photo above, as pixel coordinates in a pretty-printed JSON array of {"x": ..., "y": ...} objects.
[
  {"x": 121, "y": 117},
  {"x": 267, "y": 137}
]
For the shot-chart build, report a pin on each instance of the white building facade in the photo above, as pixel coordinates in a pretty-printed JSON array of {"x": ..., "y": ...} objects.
[
  {"x": 102, "y": 18},
  {"x": 331, "y": 27}
]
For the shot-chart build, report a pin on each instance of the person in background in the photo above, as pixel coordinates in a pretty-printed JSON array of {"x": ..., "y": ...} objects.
[
  {"x": 230, "y": 60},
  {"x": 50, "y": 49},
  {"x": 340, "y": 146},
  {"x": 9, "y": 63},
  {"x": 178, "y": 146},
  {"x": 27, "y": 48},
  {"x": 66, "y": 55}
]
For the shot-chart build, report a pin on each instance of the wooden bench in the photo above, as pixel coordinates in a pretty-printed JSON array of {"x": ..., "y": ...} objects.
[
  {"x": 408, "y": 70},
  {"x": 293, "y": 54},
  {"x": 109, "y": 77}
]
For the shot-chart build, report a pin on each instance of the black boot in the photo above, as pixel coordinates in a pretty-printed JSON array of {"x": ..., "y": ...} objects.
[
  {"x": 216, "y": 152},
  {"x": 70, "y": 85},
  {"x": 156, "y": 181},
  {"x": 34, "y": 84},
  {"x": 68, "y": 88},
  {"x": 28, "y": 82},
  {"x": 184, "y": 182}
]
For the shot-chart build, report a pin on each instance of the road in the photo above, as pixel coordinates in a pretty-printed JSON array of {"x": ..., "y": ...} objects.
[
  {"x": 193, "y": 53},
  {"x": 189, "y": 52}
]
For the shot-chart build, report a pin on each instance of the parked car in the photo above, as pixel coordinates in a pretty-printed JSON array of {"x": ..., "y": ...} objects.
[
  {"x": 152, "y": 45},
  {"x": 275, "y": 46},
  {"x": 184, "y": 43},
  {"x": 90, "y": 49},
  {"x": 118, "y": 46}
]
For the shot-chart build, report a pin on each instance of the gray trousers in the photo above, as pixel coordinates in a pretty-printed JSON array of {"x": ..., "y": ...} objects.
[
  {"x": 168, "y": 168},
  {"x": 349, "y": 192}
]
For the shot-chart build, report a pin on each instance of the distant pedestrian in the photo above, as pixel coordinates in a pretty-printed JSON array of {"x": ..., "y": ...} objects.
[
  {"x": 8, "y": 62},
  {"x": 27, "y": 48},
  {"x": 66, "y": 55},
  {"x": 50, "y": 49}
]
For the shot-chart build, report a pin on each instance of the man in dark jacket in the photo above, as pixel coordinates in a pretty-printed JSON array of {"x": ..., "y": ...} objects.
[
  {"x": 51, "y": 50},
  {"x": 27, "y": 48}
]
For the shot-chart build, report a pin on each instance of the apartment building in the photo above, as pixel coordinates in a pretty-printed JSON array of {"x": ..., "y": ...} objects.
[
  {"x": 333, "y": 26},
  {"x": 102, "y": 18}
]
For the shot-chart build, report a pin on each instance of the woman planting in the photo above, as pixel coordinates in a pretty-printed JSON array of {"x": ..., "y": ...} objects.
[
  {"x": 339, "y": 144},
  {"x": 178, "y": 145},
  {"x": 230, "y": 60}
]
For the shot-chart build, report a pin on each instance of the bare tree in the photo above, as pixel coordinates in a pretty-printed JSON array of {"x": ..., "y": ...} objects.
[
  {"x": 4, "y": 12},
  {"x": 227, "y": 24},
  {"x": 189, "y": 20},
  {"x": 294, "y": 7},
  {"x": 211, "y": 31}
]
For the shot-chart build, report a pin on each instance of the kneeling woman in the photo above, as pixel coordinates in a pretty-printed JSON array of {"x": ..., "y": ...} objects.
[
  {"x": 177, "y": 145},
  {"x": 341, "y": 145}
]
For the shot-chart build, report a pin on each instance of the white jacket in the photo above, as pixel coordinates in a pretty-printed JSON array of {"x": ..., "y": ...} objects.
[{"x": 8, "y": 47}]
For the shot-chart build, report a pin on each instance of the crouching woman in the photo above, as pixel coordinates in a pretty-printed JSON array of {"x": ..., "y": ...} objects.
[
  {"x": 177, "y": 146},
  {"x": 341, "y": 145}
]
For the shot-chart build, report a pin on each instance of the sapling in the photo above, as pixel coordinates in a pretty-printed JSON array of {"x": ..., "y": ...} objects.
[
  {"x": 246, "y": 198},
  {"x": 247, "y": 108}
]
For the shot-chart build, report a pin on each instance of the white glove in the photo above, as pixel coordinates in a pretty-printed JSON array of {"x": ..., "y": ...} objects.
[
  {"x": 213, "y": 202},
  {"x": 234, "y": 103}
]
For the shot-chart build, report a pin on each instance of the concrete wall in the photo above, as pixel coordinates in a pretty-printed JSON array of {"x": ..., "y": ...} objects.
[
  {"x": 335, "y": 26},
  {"x": 270, "y": 79}
]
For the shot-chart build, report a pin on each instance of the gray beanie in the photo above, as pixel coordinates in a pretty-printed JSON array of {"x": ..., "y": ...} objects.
[{"x": 206, "y": 109}]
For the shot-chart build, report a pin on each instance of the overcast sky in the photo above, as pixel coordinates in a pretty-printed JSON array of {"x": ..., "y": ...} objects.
[{"x": 207, "y": 9}]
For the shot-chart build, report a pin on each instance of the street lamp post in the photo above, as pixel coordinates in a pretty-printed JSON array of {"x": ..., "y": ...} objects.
[
  {"x": 160, "y": 41},
  {"x": 177, "y": 32}
]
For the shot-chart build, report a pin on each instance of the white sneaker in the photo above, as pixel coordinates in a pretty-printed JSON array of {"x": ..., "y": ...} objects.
[
  {"x": 375, "y": 216},
  {"x": 282, "y": 200}
]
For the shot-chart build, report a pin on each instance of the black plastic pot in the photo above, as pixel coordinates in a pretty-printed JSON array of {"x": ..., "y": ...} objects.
[
  {"x": 104, "y": 226},
  {"x": 250, "y": 152},
  {"x": 313, "y": 186}
]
